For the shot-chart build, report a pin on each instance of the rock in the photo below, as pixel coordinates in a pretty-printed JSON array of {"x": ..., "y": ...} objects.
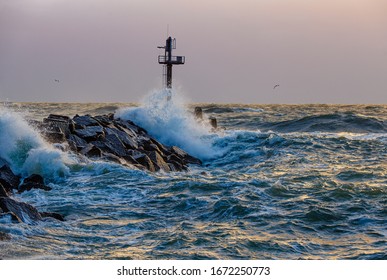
[
  {"x": 130, "y": 159},
  {"x": 105, "y": 120},
  {"x": 114, "y": 158},
  {"x": 58, "y": 123},
  {"x": 78, "y": 142},
  {"x": 90, "y": 133},
  {"x": 160, "y": 146},
  {"x": 185, "y": 156},
  {"x": 145, "y": 161},
  {"x": 8, "y": 179},
  {"x": 54, "y": 137},
  {"x": 113, "y": 142},
  {"x": 23, "y": 211},
  {"x": 124, "y": 137},
  {"x": 131, "y": 126},
  {"x": 84, "y": 121},
  {"x": 3, "y": 192},
  {"x": 56, "y": 216},
  {"x": 91, "y": 151},
  {"x": 34, "y": 181},
  {"x": 158, "y": 161}
]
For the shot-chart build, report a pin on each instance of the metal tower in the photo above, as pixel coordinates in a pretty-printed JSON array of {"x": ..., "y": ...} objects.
[{"x": 168, "y": 61}]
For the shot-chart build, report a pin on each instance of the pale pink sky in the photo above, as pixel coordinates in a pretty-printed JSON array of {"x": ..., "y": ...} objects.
[{"x": 319, "y": 51}]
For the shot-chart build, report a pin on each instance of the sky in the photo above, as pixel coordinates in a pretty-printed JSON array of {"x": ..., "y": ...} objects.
[{"x": 317, "y": 51}]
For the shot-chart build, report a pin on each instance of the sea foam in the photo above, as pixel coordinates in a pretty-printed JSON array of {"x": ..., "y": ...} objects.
[
  {"x": 165, "y": 116},
  {"x": 22, "y": 147}
]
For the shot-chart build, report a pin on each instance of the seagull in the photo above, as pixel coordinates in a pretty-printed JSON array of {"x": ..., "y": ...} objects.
[
  {"x": 56, "y": 80},
  {"x": 275, "y": 86}
]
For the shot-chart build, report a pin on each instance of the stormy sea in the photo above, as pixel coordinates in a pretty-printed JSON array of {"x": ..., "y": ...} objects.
[{"x": 277, "y": 182}]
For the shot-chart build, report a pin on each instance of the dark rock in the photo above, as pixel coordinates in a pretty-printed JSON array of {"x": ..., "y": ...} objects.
[
  {"x": 114, "y": 158},
  {"x": 91, "y": 151},
  {"x": 145, "y": 161},
  {"x": 176, "y": 166},
  {"x": 158, "y": 161},
  {"x": 161, "y": 147},
  {"x": 90, "y": 133},
  {"x": 113, "y": 142},
  {"x": 130, "y": 159},
  {"x": 84, "y": 121},
  {"x": 104, "y": 120},
  {"x": 52, "y": 215},
  {"x": 34, "y": 181},
  {"x": 58, "y": 123},
  {"x": 131, "y": 126},
  {"x": 8, "y": 179},
  {"x": 3, "y": 192},
  {"x": 78, "y": 142},
  {"x": 186, "y": 157},
  {"x": 23, "y": 211},
  {"x": 124, "y": 137},
  {"x": 54, "y": 137}
]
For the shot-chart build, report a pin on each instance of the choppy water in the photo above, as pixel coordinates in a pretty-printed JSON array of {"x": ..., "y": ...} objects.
[{"x": 279, "y": 182}]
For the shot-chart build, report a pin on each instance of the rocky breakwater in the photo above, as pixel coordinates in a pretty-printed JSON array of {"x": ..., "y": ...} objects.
[
  {"x": 99, "y": 137},
  {"x": 121, "y": 141}
]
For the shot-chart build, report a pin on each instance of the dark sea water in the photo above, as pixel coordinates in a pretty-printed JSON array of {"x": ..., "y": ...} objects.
[{"x": 278, "y": 182}]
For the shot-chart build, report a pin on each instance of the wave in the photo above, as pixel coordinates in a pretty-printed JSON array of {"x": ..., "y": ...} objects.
[
  {"x": 348, "y": 122},
  {"x": 165, "y": 116},
  {"x": 22, "y": 147}
]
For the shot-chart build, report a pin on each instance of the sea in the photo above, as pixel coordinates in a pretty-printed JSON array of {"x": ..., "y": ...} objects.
[{"x": 281, "y": 182}]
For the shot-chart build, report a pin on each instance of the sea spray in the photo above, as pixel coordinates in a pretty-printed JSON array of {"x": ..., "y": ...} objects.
[
  {"x": 26, "y": 151},
  {"x": 165, "y": 116}
]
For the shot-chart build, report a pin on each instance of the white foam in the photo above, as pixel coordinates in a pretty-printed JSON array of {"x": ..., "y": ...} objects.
[
  {"x": 168, "y": 120},
  {"x": 26, "y": 151}
]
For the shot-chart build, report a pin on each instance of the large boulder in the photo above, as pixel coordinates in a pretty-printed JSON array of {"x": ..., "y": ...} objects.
[
  {"x": 158, "y": 161},
  {"x": 84, "y": 121},
  {"x": 24, "y": 212},
  {"x": 90, "y": 133},
  {"x": 34, "y": 181},
  {"x": 8, "y": 179},
  {"x": 3, "y": 192}
]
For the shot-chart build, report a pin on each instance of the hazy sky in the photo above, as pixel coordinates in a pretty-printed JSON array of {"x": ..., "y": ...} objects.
[{"x": 318, "y": 51}]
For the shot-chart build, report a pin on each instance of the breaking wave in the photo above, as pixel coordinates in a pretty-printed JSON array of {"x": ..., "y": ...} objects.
[
  {"x": 26, "y": 151},
  {"x": 165, "y": 116}
]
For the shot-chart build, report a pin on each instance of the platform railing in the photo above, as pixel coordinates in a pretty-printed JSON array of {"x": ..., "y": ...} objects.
[{"x": 174, "y": 59}]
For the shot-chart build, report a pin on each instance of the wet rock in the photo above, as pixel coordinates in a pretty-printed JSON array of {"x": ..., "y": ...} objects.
[
  {"x": 34, "y": 181},
  {"x": 23, "y": 211},
  {"x": 105, "y": 120},
  {"x": 91, "y": 151},
  {"x": 123, "y": 137},
  {"x": 90, "y": 133},
  {"x": 145, "y": 161},
  {"x": 114, "y": 143},
  {"x": 158, "y": 161},
  {"x": 77, "y": 141},
  {"x": 185, "y": 156},
  {"x": 8, "y": 179},
  {"x": 84, "y": 121},
  {"x": 54, "y": 137},
  {"x": 56, "y": 216},
  {"x": 114, "y": 158},
  {"x": 3, "y": 192},
  {"x": 58, "y": 123}
]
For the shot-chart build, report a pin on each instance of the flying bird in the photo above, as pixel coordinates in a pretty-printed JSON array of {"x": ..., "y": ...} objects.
[
  {"x": 275, "y": 86},
  {"x": 56, "y": 80}
]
